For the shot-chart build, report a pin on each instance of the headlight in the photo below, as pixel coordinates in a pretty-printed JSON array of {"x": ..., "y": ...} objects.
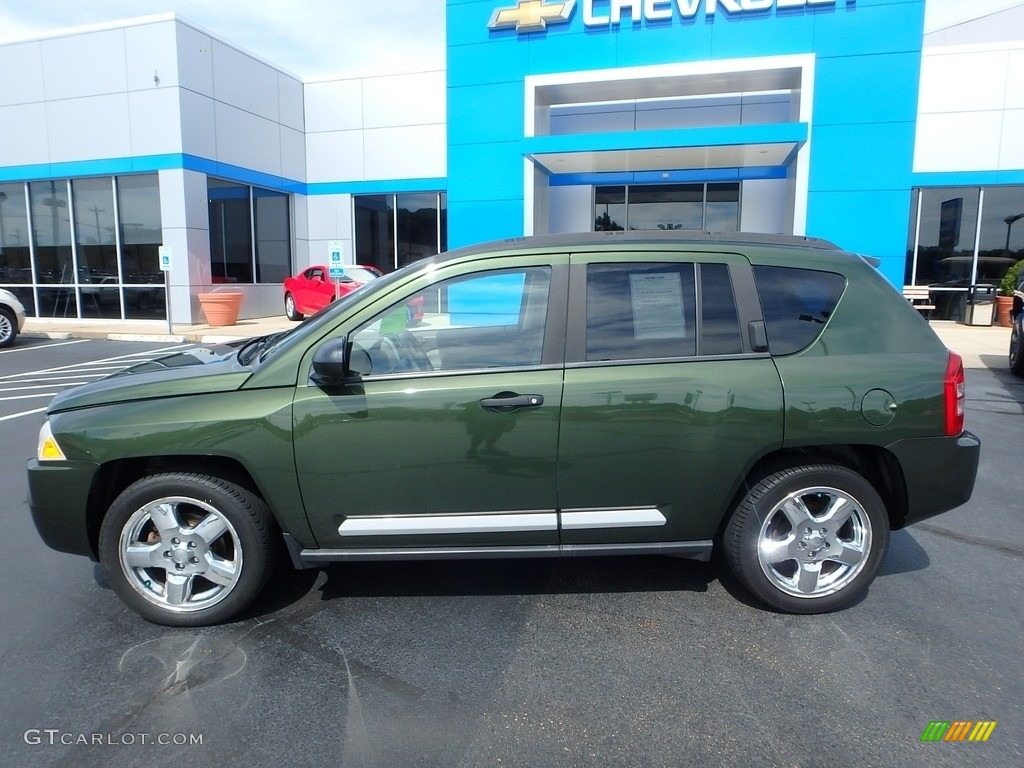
[{"x": 48, "y": 450}]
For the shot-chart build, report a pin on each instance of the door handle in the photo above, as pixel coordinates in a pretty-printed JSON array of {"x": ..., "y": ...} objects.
[{"x": 511, "y": 400}]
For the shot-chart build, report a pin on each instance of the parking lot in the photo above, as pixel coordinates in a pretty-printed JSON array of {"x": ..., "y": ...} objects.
[{"x": 641, "y": 661}]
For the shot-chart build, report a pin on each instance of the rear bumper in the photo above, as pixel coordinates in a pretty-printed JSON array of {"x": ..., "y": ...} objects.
[
  {"x": 58, "y": 496},
  {"x": 939, "y": 473}
]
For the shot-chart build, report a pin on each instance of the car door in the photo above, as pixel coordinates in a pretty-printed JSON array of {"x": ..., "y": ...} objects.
[
  {"x": 666, "y": 405},
  {"x": 446, "y": 434}
]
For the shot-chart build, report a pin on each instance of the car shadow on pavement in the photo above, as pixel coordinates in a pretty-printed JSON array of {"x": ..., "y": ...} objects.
[
  {"x": 905, "y": 555},
  {"x": 515, "y": 576}
]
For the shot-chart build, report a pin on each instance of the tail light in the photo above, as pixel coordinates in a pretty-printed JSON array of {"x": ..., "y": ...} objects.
[{"x": 953, "y": 392}]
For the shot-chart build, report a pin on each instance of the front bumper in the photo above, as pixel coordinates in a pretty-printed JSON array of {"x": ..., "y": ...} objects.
[
  {"x": 939, "y": 473},
  {"x": 58, "y": 496}
]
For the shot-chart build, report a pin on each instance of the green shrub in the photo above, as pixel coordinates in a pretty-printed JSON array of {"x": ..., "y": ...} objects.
[{"x": 1009, "y": 281}]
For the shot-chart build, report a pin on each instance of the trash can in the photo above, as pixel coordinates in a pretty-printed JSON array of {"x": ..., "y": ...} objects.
[{"x": 981, "y": 305}]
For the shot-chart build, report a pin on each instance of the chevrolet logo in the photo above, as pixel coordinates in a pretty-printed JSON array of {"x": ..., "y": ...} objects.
[{"x": 531, "y": 15}]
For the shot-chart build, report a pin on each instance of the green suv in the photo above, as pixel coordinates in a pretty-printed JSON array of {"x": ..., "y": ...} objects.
[{"x": 596, "y": 394}]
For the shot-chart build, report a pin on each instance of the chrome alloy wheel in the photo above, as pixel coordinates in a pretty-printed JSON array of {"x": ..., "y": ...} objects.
[
  {"x": 814, "y": 542},
  {"x": 181, "y": 554},
  {"x": 289, "y": 305}
]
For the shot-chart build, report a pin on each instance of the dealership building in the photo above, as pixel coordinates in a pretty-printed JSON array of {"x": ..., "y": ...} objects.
[{"x": 838, "y": 119}]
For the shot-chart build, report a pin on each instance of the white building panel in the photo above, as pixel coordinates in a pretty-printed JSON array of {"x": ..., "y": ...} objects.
[
  {"x": 198, "y": 136},
  {"x": 21, "y": 141},
  {"x": 1015, "y": 80},
  {"x": 400, "y": 100},
  {"x": 90, "y": 128},
  {"x": 958, "y": 141},
  {"x": 244, "y": 82},
  {"x": 330, "y": 218},
  {"x": 962, "y": 81},
  {"x": 84, "y": 65},
  {"x": 405, "y": 153},
  {"x": 1011, "y": 154},
  {"x": 334, "y": 105},
  {"x": 26, "y": 60},
  {"x": 764, "y": 206},
  {"x": 293, "y": 154},
  {"x": 336, "y": 156},
  {"x": 151, "y": 51},
  {"x": 289, "y": 92},
  {"x": 195, "y": 59},
  {"x": 247, "y": 140},
  {"x": 155, "y": 121},
  {"x": 571, "y": 209}
]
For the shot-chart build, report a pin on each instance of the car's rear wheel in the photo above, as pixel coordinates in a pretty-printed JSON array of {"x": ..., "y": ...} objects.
[
  {"x": 808, "y": 539},
  {"x": 185, "y": 549},
  {"x": 8, "y": 327},
  {"x": 1017, "y": 346},
  {"x": 289, "y": 308}
]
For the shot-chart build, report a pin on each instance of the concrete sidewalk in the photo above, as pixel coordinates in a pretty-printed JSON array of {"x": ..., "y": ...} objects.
[{"x": 980, "y": 346}]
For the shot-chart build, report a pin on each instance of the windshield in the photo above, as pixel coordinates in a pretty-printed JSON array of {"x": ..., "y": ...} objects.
[{"x": 315, "y": 324}]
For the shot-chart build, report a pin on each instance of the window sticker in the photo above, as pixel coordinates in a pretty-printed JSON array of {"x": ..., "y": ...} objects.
[{"x": 657, "y": 301}]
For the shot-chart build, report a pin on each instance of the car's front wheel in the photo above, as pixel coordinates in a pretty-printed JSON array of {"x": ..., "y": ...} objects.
[
  {"x": 289, "y": 308},
  {"x": 1017, "y": 346},
  {"x": 8, "y": 327},
  {"x": 185, "y": 549},
  {"x": 808, "y": 539}
]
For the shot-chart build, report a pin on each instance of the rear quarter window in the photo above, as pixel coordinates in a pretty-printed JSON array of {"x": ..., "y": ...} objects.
[{"x": 796, "y": 304}]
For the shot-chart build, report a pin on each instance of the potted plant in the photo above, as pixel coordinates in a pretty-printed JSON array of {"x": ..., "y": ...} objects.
[
  {"x": 1004, "y": 301},
  {"x": 221, "y": 306}
]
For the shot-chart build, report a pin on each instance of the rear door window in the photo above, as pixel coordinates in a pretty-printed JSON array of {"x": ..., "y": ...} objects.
[
  {"x": 640, "y": 311},
  {"x": 796, "y": 304}
]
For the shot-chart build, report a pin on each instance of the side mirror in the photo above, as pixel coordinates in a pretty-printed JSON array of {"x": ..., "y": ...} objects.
[{"x": 330, "y": 366}]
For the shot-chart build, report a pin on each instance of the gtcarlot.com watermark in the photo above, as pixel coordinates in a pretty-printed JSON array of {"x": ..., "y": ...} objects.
[{"x": 58, "y": 737}]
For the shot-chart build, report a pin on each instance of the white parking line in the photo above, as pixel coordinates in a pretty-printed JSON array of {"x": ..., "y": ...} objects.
[
  {"x": 27, "y": 397},
  {"x": 41, "y": 386},
  {"x": 71, "y": 366},
  {"x": 23, "y": 413},
  {"x": 41, "y": 346}
]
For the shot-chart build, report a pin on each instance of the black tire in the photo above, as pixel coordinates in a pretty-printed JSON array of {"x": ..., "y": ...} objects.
[
  {"x": 8, "y": 327},
  {"x": 289, "y": 308},
  {"x": 808, "y": 539},
  {"x": 1017, "y": 346},
  {"x": 215, "y": 539}
]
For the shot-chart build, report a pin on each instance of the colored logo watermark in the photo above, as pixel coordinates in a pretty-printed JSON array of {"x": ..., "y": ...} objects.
[{"x": 958, "y": 730}]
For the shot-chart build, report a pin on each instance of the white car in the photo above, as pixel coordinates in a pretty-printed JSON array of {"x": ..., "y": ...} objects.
[{"x": 12, "y": 317}]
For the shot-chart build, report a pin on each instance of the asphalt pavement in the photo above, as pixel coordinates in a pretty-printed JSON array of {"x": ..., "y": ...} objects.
[{"x": 646, "y": 661}]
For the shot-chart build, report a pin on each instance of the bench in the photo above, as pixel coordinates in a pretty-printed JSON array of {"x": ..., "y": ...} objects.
[{"x": 919, "y": 298}]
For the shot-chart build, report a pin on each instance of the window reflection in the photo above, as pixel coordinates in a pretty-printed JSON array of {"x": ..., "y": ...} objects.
[
  {"x": 141, "y": 228},
  {"x": 394, "y": 230},
  {"x": 946, "y": 231},
  {"x": 51, "y": 228},
  {"x": 712, "y": 206},
  {"x": 15, "y": 260},
  {"x": 273, "y": 236}
]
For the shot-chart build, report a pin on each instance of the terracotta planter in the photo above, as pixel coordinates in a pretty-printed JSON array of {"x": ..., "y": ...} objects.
[
  {"x": 221, "y": 307},
  {"x": 1003, "y": 306}
]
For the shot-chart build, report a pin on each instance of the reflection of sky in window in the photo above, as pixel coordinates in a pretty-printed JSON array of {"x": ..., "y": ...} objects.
[
  {"x": 50, "y": 217},
  {"x": 931, "y": 214},
  {"x": 139, "y": 201},
  {"x": 13, "y": 216},
  {"x": 94, "y": 211}
]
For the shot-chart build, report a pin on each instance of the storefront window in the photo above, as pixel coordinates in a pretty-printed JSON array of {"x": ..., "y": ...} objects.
[
  {"x": 51, "y": 231},
  {"x": 273, "y": 236},
  {"x": 668, "y": 207},
  {"x": 141, "y": 236},
  {"x": 15, "y": 257},
  {"x": 230, "y": 232},
  {"x": 420, "y": 220},
  {"x": 951, "y": 254},
  {"x": 417, "y": 227}
]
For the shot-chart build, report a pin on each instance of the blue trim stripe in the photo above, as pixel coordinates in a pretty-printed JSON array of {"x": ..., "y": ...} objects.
[
  {"x": 666, "y": 177},
  {"x": 732, "y": 135},
  {"x": 152, "y": 163},
  {"x": 967, "y": 178}
]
